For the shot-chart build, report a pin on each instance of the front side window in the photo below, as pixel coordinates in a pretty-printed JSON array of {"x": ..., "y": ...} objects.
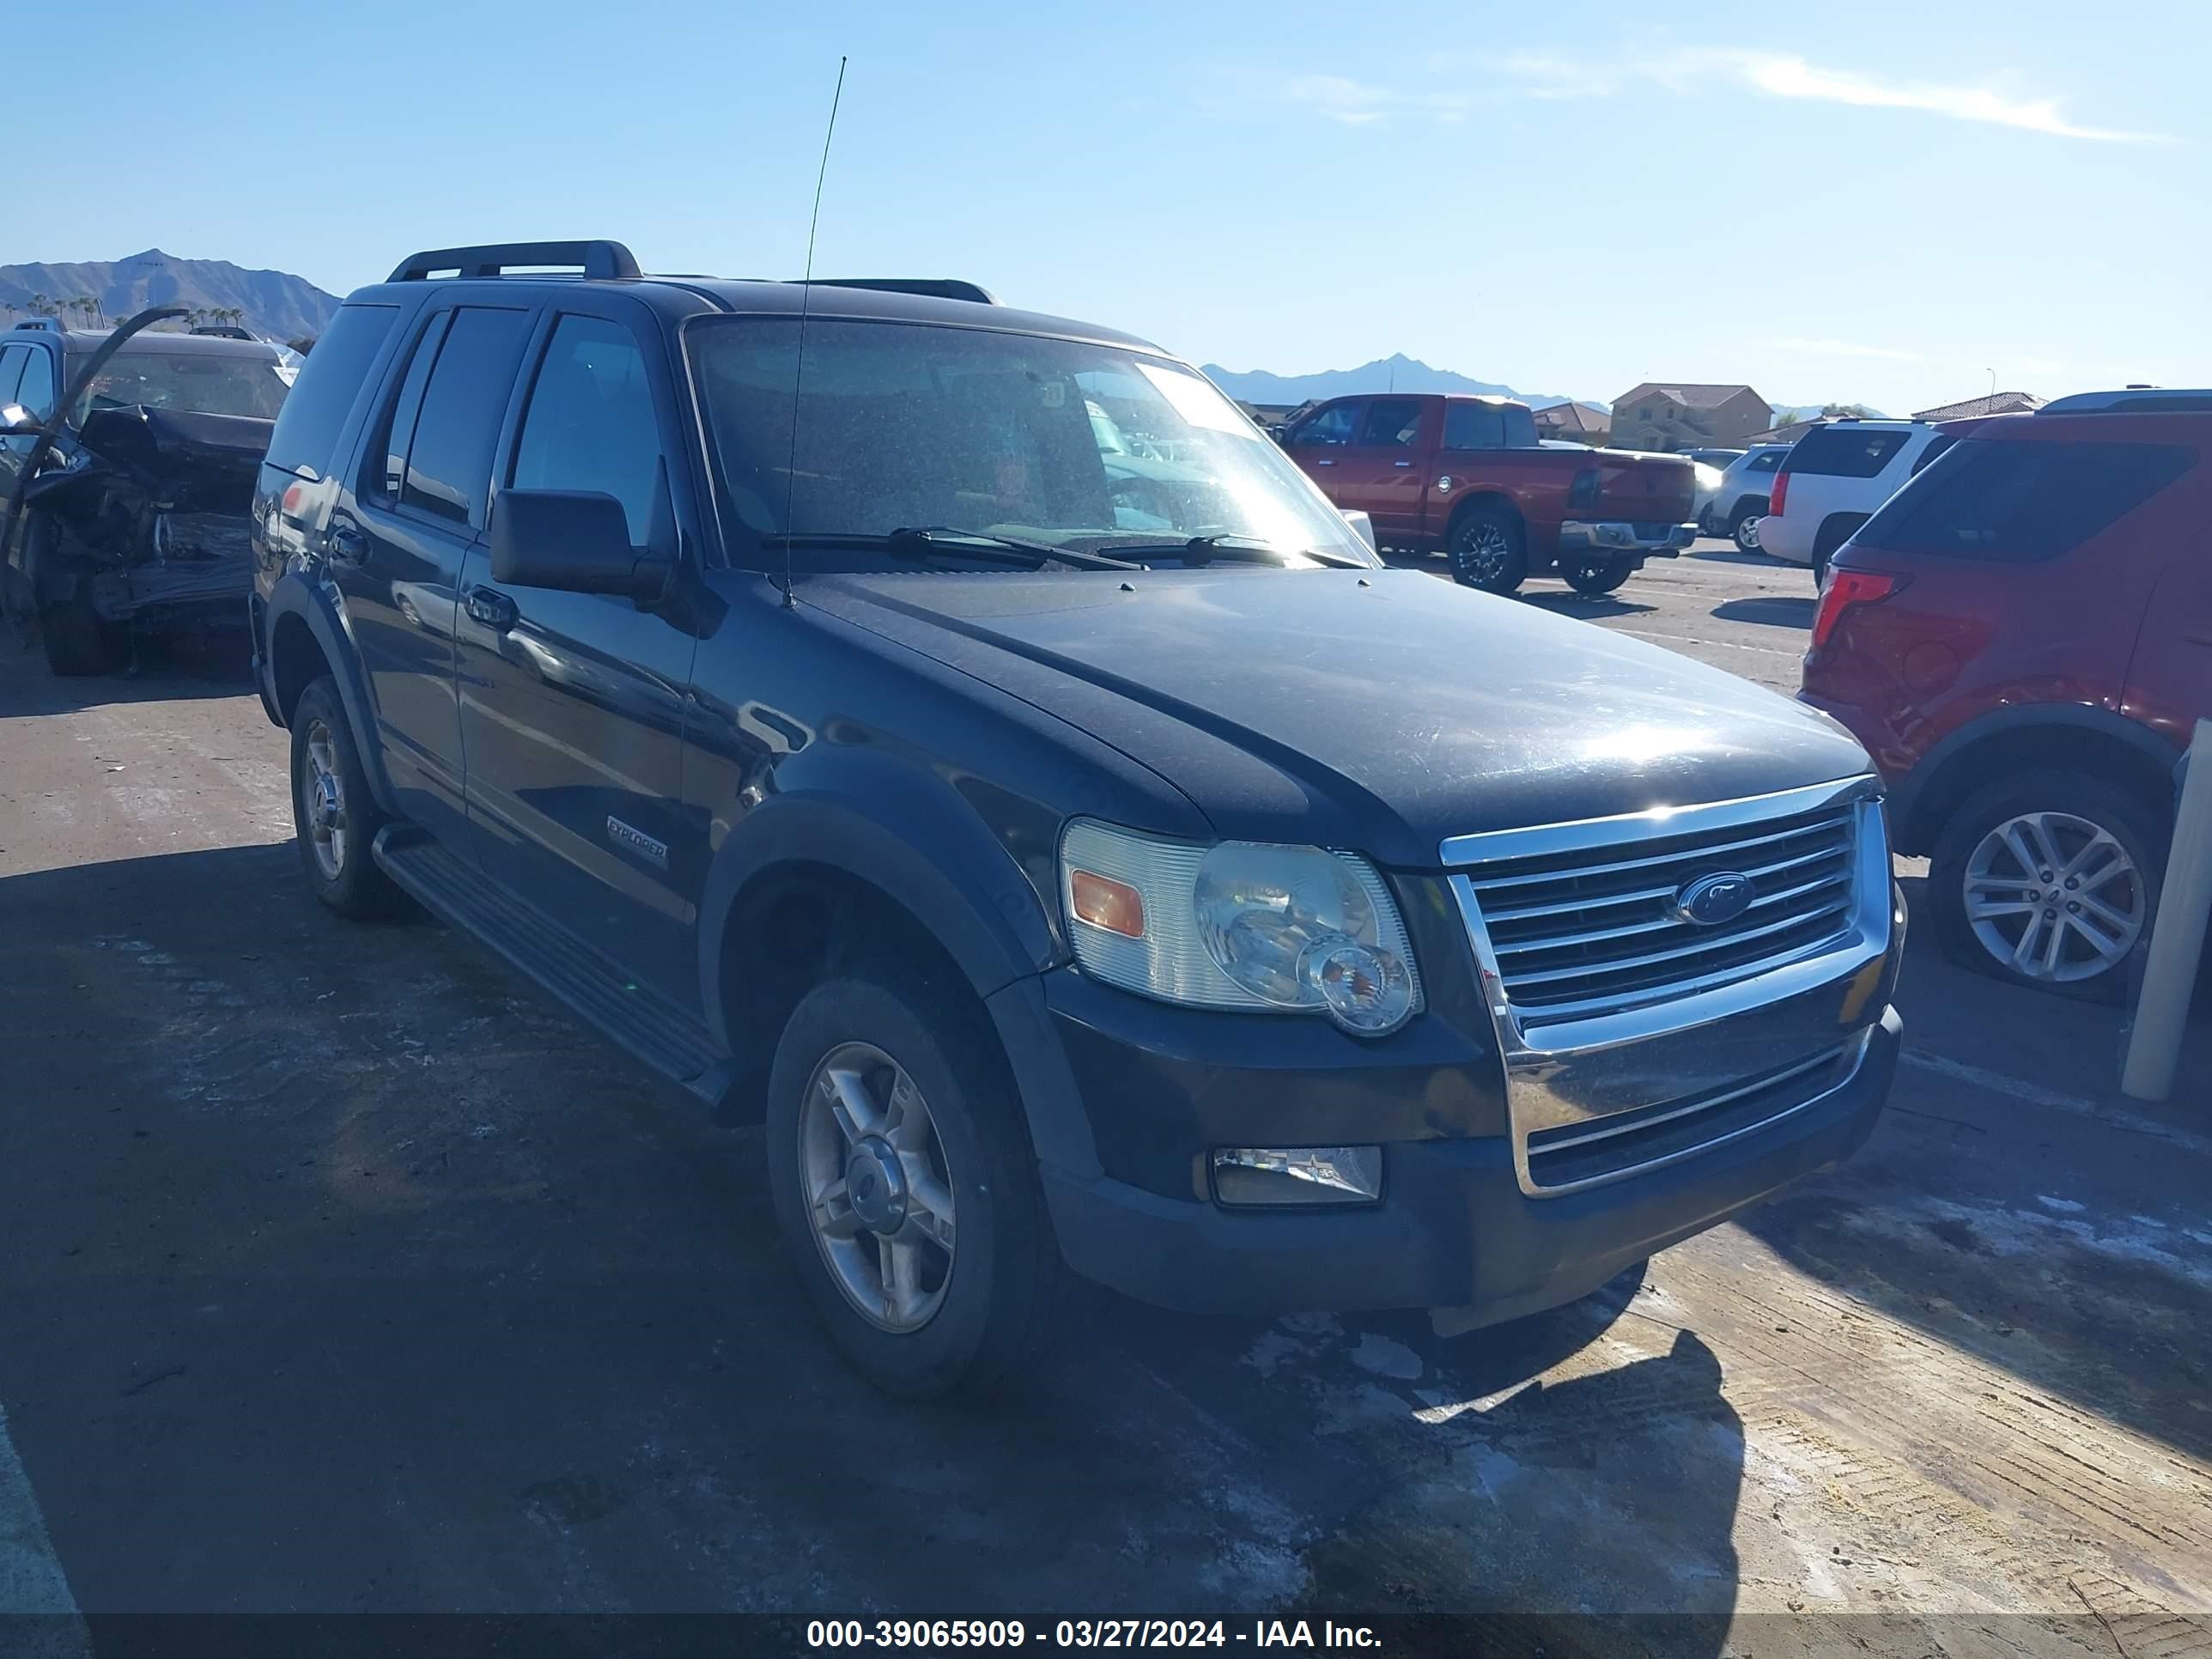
[
  {"x": 908, "y": 426},
  {"x": 449, "y": 459},
  {"x": 1334, "y": 425},
  {"x": 11, "y": 372},
  {"x": 1392, "y": 423},
  {"x": 590, "y": 425},
  {"x": 35, "y": 391},
  {"x": 2022, "y": 500}
]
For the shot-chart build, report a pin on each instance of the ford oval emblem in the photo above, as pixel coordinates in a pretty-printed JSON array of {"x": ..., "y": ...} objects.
[{"x": 1711, "y": 900}]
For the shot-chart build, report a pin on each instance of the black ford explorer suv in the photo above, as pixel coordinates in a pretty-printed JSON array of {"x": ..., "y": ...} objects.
[{"x": 961, "y": 736}]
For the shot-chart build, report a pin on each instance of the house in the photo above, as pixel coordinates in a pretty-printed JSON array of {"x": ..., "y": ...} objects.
[
  {"x": 1582, "y": 423},
  {"x": 1997, "y": 402},
  {"x": 1680, "y": 416}
]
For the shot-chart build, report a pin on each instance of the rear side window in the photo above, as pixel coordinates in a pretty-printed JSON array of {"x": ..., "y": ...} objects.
[
  {"x": 1477, "y": 426},
  {"x": 2020, "y": 501},
  {"x": 1392, "y": 423},
  {"x": 1845, "y": 452},
  {"x": 1765, "y": 463},
  {"x": 308, "y": 426},
  {"x": 1520, "y": 427},
  {"x": 1937, "y": 445},
  {"x": 449, "y": 460}
]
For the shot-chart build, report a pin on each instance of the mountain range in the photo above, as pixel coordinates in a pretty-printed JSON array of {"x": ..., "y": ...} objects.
[
  {"x": 1394, "y": 374},
  {"x": 274, "y": 304}
]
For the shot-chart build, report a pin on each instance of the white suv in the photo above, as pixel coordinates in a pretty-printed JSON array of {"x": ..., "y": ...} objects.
[{"x": 1834, "y": 479}]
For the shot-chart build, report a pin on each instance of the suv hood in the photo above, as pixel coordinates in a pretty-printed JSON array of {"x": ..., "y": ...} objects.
[{"x": 1381, "y": 713}]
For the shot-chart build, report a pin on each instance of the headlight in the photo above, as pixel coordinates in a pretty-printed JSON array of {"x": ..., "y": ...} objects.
[{"x": 1239, "y": 925}]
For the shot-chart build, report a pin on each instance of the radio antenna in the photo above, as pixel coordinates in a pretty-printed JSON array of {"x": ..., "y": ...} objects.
[{"x": 805, "y": 299}]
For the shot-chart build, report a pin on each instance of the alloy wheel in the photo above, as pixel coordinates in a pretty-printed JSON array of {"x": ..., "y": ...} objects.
[
  {"x": 324, "y": 806},
  {"x": 879, "y": 1193},
  {"x": 1482, "y": 553},
  {"x": 2054, "y": 897}
]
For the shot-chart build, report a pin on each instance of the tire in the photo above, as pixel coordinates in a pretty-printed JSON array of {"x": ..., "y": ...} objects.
[
  {"x": 1973, "y": 867},
  {"x": 334, "y": 816},
  {"x": 1832, "y": 535},
  {"x": 976, "y": 1316},
  {"x": 1595, "y": 578},
  {"x": 1744, "y": 531},
  {"x": 1488, "y": 551},
  {"x": 76, "y": 641}
]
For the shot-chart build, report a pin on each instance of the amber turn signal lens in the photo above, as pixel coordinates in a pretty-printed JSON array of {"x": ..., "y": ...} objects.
[{"x": 1104, "y": 903}]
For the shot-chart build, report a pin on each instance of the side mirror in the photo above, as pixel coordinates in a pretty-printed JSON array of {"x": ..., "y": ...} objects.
[
  {"x": 574, "y": 540},
  {"x": 17, "y": 422}
]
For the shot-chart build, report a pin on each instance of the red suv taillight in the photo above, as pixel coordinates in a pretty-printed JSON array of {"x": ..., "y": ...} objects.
[
  {"x": 1781, "y": 493},
  {"x": 1842, "y": 589}
]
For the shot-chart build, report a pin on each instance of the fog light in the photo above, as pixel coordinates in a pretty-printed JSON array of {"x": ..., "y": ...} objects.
[{"x": 1297, "y": 1175}]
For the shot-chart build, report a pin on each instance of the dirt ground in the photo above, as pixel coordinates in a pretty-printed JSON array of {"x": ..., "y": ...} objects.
[{"x": 340, "y": 1270}]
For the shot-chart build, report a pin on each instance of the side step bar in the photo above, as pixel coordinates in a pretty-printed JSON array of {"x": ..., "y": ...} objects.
[{"x": 648, "y": 1023}]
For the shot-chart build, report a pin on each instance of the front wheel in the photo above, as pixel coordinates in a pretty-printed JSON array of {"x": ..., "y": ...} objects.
[
  {"x": 1594, "y": 578},
  {"x": 76, "y": 641},
  {"x": 906, "y": 1191},
  {"x": 1488, "y": 551},
  {"x": 2049, "y": 881}
]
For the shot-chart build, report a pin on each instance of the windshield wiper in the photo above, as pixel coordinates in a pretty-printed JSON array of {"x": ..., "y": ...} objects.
[
  {"x": 922, "y": 544},
  {"x": 1240, "y": 550}
]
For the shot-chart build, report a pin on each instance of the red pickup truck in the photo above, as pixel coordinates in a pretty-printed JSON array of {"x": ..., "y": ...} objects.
[{"x": 1467, "y": 477}]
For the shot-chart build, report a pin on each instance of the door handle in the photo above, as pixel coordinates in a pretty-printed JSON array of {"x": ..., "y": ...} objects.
[
  {"x": 492, "y": 608},
  {"x": 347, "y": 544},
  {"x": 1401, "y": 464},
  {"x": 1324, "y": 461}
]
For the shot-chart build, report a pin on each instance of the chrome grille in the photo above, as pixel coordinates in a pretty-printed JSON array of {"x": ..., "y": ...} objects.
[{"x": 1596, "y": 929}]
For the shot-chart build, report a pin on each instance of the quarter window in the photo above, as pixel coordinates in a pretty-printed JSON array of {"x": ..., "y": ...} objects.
[
  {"x": 591, "y": 424},
  {"x": 308, "y": 428},
  {"x": 2021, "y": 500}
]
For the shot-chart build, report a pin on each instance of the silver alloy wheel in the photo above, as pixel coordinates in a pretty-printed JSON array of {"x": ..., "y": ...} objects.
[
  {"x": 879, "y": 1191},
  {"x": 324, "y": 806},
  {"x": 2054, "y": 897},
  {"x": 1482, "y": 553},
  {"x": 1747, "y": 532}
]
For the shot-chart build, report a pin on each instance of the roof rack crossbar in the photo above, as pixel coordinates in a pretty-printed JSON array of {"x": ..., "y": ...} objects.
[
  {"x": 935, "y": 288},
  {"x": 599, "y": 261}
]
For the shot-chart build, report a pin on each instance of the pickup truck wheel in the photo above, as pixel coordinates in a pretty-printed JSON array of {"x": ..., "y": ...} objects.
[
  {"x": 76, "y": 641},
  {"x": 333, "y": 813},
  {"x": 2048, "y": 881},
  {"x": 1744, "y": 533},
  {"x": 906, "y": 1190},
  {"x": 1488, "y": 551},
  {"x": 1594, "y": 577}
]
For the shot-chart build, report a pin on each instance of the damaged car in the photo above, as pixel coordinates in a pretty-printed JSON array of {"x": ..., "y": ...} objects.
[{"x": 127, "y": 465}]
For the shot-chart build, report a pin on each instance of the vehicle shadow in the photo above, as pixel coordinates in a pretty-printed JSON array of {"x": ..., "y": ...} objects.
[
  {"x": 1732, "y": 554},
  {"x": 354, "y": 1227},
  {"x": 153, "y": 669},
  {"x": 1568, "y": 602},
  {"x": 1774, "y": 610}
]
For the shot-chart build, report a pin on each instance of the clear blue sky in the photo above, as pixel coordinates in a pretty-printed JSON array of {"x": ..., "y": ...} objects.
[{"x": 1862, "y": 200}]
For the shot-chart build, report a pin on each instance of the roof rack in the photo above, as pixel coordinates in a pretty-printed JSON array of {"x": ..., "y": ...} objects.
[
  {"x": 222, "y": 330},
  {"x": 598, "y": 261},
  {"x": 935, "y": 288},
  {"x": 2135, "y": 400},
  {"x": 45, "y": 325}
]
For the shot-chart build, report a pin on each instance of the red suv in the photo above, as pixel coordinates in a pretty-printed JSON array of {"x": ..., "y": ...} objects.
[{"x": 2022, "y": 636}]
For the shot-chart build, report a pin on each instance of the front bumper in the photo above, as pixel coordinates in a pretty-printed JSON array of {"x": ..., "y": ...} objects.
[
  {"x": 1635, "y": 539},
  {"x": 185, "y": 592},
  {"x": 1453, "y": 1230}
]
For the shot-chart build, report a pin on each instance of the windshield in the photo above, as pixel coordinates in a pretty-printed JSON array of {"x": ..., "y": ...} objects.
[
  {"x": 194, "y": 382},
  {"x": 1071, "y": 445}
]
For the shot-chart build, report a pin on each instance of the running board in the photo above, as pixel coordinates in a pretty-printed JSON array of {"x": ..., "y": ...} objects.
[{"x": 647, "y": 1022}]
